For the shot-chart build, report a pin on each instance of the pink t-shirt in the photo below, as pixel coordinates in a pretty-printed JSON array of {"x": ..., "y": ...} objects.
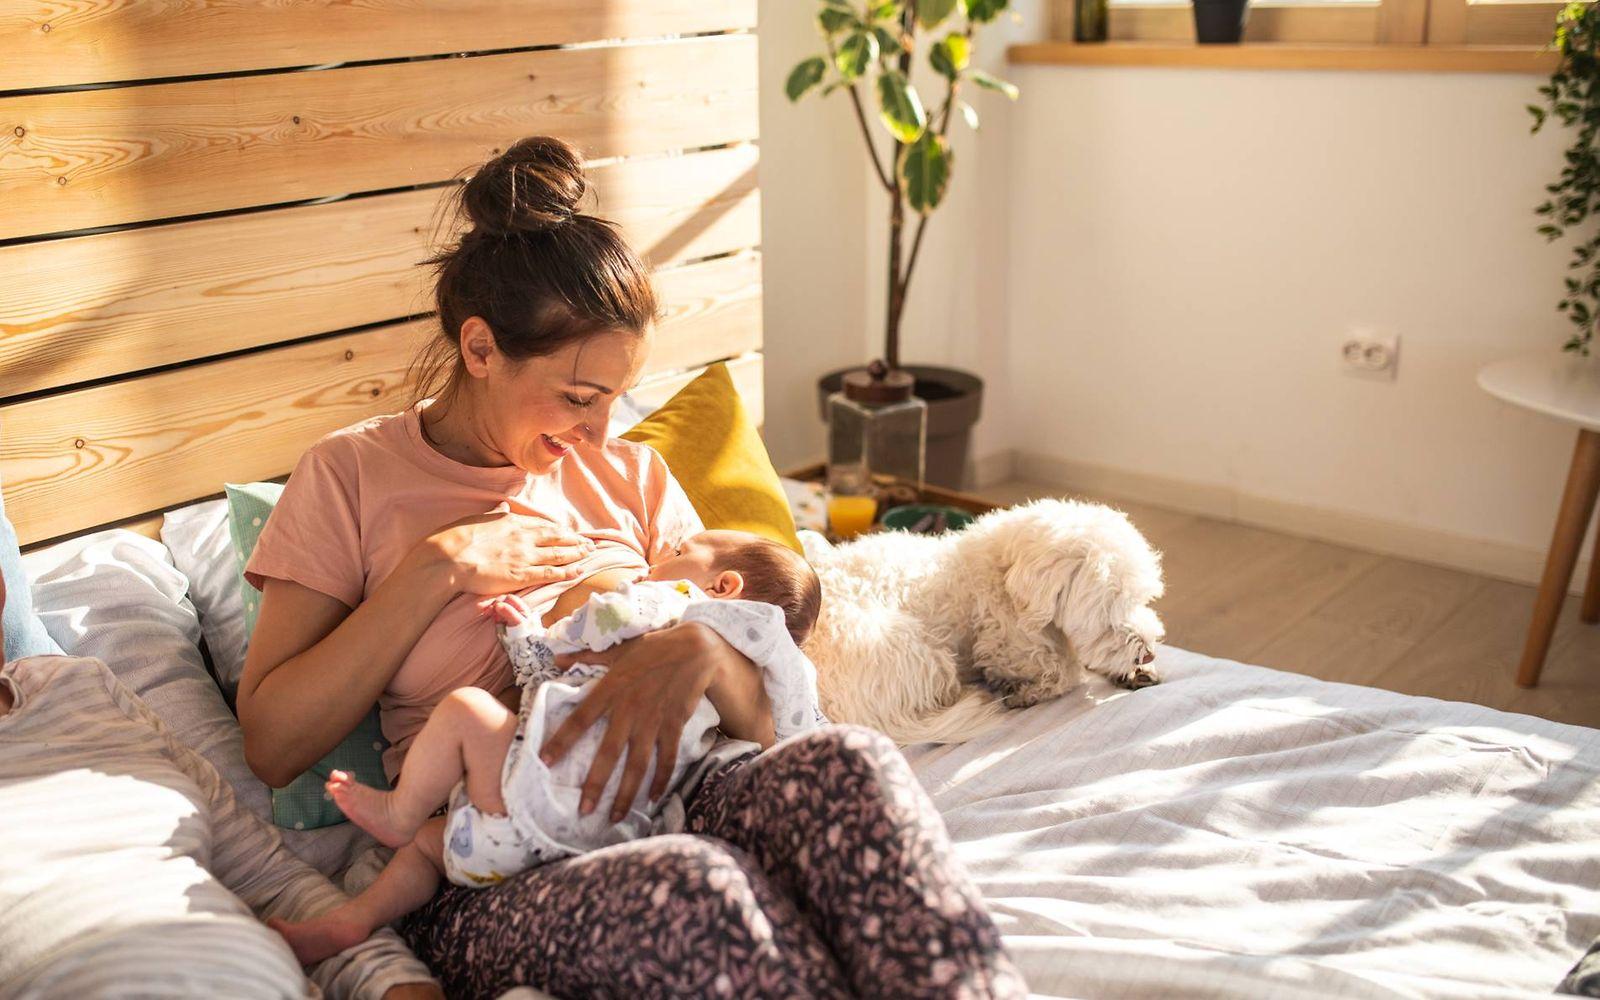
[{"x": 362, "y": 497}]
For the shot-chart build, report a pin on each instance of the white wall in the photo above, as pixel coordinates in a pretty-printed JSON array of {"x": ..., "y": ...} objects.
[
  {"x": 1188, "y": 248},
  {"x": 812, "y": 201},
  {"x": 1153, "y": 270}
]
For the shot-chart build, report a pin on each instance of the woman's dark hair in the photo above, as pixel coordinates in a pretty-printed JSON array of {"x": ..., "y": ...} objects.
[{"x": 541, "y": 273}]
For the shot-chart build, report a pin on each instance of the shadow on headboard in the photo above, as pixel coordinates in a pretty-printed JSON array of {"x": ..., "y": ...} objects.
[{"x": 212, "y": 218}]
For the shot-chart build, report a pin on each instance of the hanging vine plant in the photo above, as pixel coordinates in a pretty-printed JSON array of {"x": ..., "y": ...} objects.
[
  {"x": 1572, "y": 97},
  {"x": 871, "y": 45}
]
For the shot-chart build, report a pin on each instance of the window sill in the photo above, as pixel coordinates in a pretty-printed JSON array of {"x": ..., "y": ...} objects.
[{"x": 1284, "y": 55}]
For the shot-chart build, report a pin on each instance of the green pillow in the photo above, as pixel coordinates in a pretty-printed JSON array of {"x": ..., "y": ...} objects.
[{"x": 302, "y": 804}]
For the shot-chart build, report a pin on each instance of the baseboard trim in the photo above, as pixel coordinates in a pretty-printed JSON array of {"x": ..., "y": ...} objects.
[
  {"x": 992, "y": 469},
  {"x": 1503, "y": 561}
]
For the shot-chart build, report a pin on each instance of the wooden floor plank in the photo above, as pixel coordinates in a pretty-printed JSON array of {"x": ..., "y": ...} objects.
[{"x": 1401, "y": 599}]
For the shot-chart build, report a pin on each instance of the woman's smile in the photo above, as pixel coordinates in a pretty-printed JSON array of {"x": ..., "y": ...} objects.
[{"x": 555, "y": 447}]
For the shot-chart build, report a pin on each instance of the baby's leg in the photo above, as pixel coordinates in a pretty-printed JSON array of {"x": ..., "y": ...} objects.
[
  {"x": 409, "y": 880},
  {"x": 468, "y": 735}
]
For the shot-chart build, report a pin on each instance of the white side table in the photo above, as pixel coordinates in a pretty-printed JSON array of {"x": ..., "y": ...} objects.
[{"x": 1566, "y": 387}]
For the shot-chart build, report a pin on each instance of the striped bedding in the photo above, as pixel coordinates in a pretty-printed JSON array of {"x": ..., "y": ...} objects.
[
  {"x": 127, "y": 867},
  {"x": 1243, "y": 832}
]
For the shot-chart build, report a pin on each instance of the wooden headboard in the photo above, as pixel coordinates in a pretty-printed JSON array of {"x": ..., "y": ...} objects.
[{"x": 211, "y": 215}]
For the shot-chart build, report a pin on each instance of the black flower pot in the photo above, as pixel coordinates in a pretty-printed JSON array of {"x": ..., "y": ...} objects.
[{"x": 1220, "y": 21}]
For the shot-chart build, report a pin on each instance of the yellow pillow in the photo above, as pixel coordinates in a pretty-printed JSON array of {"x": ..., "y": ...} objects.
[{"x": 712, "y": 447}]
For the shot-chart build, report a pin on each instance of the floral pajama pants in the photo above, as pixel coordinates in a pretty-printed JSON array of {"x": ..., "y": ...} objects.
[{"x": 817, "y": 869}]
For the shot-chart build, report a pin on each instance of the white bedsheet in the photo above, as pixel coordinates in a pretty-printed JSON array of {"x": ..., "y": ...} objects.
[{"x": 1244, "y": 832}]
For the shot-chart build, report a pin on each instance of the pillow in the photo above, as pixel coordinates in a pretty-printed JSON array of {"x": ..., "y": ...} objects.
[
  {"x": 116, "y": 596},
  {"x": 712, "y": 448},
  {"x": 25, "y": 635},
  {"x": 197, "y": 537},
  {"x": 302, "y": 804}
]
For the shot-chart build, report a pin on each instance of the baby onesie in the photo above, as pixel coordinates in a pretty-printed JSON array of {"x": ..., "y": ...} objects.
[{"x": 542, "y": 823}]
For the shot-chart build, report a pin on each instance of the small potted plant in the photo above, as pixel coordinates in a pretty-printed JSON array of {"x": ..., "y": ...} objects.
[
  {"x": 1572, "y": 97},
  {"x": 870, "y": 51}
]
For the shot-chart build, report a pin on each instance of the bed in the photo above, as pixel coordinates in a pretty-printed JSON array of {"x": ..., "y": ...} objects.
[{"x": 208, "y": 246}]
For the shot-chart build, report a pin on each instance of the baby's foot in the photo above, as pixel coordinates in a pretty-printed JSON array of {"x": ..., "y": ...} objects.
[
  {"x": 322, "y": 937},
  {"x": 372, "y": 809}
]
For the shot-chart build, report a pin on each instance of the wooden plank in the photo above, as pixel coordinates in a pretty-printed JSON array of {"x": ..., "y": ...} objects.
[
  {"x": 112, "y": 303},
  {"x": 711, "y": 311},
  {"x": 746, "y": 372},
  {"x": 98, "y": 41},
  {"x": 110, "y": 452},
  {"x": 92, "y": 456},
  {"x": 1322, "y": 23},
  {"x": 1274, "y": 56},
  {"x": 91, "y": 158}
]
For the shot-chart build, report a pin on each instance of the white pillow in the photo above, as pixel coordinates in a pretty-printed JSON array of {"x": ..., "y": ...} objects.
[
  {"x": 197, "y": 537},
  {"x": 117, "y": 597}
]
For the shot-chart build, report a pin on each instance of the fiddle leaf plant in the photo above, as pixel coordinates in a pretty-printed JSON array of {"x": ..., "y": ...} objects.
[
  {"x": 1572, "y": 97},
  {"x": 870, "y": 53}
]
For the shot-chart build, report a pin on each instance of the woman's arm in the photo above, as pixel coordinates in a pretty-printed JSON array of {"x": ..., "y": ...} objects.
[
  {"x": 652, "y": 686},
  {"x": 315, "y": 667}
]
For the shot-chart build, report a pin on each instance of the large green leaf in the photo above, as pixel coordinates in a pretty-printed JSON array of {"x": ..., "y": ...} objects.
[
  {"x": 950, "y": 55},
  {"x": 884, "y": 10},
  {"x": 890, "y": 42},
  {"x": 803, "y": 77},
  {"x": 931, "y": 13},
  {"x": 856, "y": 54},
  {"x": 925, "y": 172},
  {"x": 983, "y": 79},
  {"x": 900, "y": 108},
  {"x": 984, "y": 11},
  {"x": 833, "y": 20}
]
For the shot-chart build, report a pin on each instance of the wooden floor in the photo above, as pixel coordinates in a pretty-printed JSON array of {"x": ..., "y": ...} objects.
[{"x": 1345, "y": 615}]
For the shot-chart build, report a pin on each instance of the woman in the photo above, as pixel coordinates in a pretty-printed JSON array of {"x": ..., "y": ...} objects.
[{"x": 819, "y": 868}]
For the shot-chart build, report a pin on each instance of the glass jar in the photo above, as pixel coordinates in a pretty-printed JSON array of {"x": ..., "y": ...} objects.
[
  {"x": 876, "y": 427},
  {"x": 1091, "y": 20}
]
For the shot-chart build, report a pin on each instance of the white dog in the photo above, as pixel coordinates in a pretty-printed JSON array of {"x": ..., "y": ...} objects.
[{"x": 933, "y": 638}]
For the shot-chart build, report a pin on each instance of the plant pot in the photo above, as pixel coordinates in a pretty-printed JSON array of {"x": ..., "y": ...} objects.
[
  {"x": 1220, "y": 21},
  {"x": 955, "y": 400}
]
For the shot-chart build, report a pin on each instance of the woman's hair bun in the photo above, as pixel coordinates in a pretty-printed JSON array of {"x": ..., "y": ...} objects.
[{"x": 530, "y": 188}]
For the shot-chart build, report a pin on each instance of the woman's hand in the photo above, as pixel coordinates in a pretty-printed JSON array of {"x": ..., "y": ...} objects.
[
  {"x": 414, "y": 991},
  {"x": 652, "y": 686},
  {"x": 499, "y": 552}
]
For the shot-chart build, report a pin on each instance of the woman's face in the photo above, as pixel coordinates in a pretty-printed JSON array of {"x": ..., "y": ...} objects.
[{"x": 531, "y": 413}]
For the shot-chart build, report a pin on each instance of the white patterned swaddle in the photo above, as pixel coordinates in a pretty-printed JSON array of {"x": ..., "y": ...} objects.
[{"x": 543, "y": 823}]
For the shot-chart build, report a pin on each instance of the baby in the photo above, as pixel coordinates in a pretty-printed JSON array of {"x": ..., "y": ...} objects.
[{"x": 509, "y": 811}]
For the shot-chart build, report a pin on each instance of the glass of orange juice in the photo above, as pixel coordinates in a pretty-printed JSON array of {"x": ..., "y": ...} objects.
[{"x": 850, "y": 515}]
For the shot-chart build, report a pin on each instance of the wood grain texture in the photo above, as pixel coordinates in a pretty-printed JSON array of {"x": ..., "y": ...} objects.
[
  {"x": 1403, "y": 22},
  {"x": 83, "y": 458},
  {"x": 710, "y": 311},
  {"x": 82, "y": 159},
  {"x": 97, "y": 41},
  {"x": 106, "y": 304},
  {"x": 78, "y": 459}
]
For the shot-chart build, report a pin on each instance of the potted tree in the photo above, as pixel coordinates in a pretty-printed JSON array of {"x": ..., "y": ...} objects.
[{"x": 873, "y": 48}]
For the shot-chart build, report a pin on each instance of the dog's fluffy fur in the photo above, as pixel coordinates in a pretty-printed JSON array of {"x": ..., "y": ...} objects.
[{"x": 932, "y": 639}]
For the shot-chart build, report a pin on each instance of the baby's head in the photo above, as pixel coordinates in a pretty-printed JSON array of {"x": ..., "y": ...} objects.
[{"x": 737, "y": 564}]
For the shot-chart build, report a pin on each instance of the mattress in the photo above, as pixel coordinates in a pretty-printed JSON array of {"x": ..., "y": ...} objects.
[{"x": 1238, "y": 831}]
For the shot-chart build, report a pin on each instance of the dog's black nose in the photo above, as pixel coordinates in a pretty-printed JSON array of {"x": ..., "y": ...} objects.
[{"x": 1146, "y": 658}]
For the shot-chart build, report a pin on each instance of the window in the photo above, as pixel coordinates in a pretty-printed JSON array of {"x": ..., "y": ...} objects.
[{"x": 1341, "y": 22}]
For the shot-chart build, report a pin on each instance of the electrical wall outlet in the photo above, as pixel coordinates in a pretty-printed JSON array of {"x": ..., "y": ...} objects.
[{"x": 1371, "y": 356}]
